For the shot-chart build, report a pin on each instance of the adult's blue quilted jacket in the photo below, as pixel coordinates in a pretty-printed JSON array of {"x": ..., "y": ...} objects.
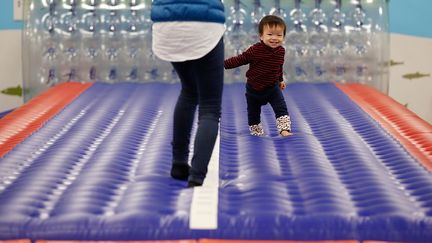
[{"x": 188, "y": 10}]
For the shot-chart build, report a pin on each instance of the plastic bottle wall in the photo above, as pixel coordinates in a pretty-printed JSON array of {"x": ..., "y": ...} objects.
[{"x": 110, "y": 41}]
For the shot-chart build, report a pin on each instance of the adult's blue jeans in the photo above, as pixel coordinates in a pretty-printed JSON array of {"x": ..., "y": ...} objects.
[{"x": 201, "y": 86}]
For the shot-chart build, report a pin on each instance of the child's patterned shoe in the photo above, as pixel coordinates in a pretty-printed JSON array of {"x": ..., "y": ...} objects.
[
  {"x": 256, "y": 130},
  {"x": 283, "y": 123}
]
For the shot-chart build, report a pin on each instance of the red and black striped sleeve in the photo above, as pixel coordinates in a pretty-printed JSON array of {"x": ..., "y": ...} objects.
[{"x": 240, "y": 60}]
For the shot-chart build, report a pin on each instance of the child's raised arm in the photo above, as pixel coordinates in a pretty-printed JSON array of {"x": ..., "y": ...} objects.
[{"x": 237, "y": 61}]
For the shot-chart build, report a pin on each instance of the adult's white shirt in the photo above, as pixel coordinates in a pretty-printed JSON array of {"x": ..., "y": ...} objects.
[{"x": 180, "y": 41}]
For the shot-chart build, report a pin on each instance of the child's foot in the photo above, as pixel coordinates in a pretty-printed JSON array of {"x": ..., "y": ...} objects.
[
  {"x": 180, "y": 171},
  {"x": 256, "y": 130},
  {"x": 285, "y": 133}
]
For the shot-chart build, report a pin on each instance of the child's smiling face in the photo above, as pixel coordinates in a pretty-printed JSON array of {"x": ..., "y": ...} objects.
[{"x": 273, "y": 36}]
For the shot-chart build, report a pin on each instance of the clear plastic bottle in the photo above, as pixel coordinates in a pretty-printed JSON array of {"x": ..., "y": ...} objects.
[
  {"x": 359, "y": 44},
  {"x": 338, "y": 44},
  {"x": 257, "y": 13},
  {"x": 48, "y": 73},
  {"x": 297, "y": 40},
  {"x": 112, "y": 42},
  {"x": 278, "y": 10},
  {"x": 91, "y": 43},
  {"x": 237, "y": 39},
  {"x": 133, "y": 46},
  {"x": 70, "y": 43},
  {"x": 318, "y": 41}
]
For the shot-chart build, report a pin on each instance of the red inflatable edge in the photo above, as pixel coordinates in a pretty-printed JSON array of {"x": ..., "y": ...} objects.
[
  {"x": 412, "y": 132},
  {"x": 28, "y": 118}
]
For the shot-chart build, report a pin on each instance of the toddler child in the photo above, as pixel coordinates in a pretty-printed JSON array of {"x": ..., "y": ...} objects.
[{"x": 265, "y": 75}]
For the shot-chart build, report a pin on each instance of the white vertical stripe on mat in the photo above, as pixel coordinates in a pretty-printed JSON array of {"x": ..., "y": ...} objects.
[{"x": 204, "y": 208}]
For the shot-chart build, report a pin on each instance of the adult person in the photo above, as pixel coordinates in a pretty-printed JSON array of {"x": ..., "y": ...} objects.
[{"x": 189, "y": 34}]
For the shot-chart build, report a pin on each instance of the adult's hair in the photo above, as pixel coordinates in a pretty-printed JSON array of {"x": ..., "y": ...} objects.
[{"x": 271, "y": 21}]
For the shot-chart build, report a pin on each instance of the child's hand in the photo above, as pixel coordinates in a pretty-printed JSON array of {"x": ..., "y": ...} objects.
[{"x": 282, "y": 85}]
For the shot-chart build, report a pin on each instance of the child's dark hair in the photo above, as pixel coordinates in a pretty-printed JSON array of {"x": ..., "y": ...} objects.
[{"x": 271, "y": 21}]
